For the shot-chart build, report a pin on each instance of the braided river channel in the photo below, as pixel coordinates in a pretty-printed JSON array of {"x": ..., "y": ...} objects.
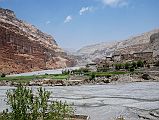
[{"x": 133, "y": 101}]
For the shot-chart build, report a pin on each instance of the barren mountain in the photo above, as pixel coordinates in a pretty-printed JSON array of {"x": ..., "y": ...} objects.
[
  {"x": 154, "y": 44},
  {"x": 131, "y": 45},
  {"x": 25, "y": 48}
]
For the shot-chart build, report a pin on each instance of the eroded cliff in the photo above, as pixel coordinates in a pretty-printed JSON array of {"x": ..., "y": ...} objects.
[{"x": 25, "y": 48}]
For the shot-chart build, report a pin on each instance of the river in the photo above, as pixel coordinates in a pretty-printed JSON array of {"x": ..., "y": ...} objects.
[
  {"x": 106, "y": 102},
  {"x": 43, "y": 72}
]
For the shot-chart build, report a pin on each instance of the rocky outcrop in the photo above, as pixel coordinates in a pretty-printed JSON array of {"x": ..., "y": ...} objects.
[
  {"x": 25, "y": 48},
  {"x": 154, "y": 44}
]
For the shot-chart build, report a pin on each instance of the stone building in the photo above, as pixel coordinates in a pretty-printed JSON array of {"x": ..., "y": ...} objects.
[
  {"x": 127, "y": 56},
  {"x": 116, "y": 57},
  {"x": 145, "y": 56},
  {"x": 109, "y": 58}
]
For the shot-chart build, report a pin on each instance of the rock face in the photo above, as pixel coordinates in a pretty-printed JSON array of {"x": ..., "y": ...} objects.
[
  {"x": 25, "y": 48},
  {"x": 154, "y": 44},
  {"x": 139, "y": 43}
]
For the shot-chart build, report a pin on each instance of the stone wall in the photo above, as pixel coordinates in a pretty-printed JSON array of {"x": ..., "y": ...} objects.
[{"x": 145, "y": 56}]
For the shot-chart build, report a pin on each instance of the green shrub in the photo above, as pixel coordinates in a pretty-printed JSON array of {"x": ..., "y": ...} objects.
[
  {"x": 85, "y": 70},
  {"x": 92, "y": 77},
  {"x": 103, "y": 75},
  {"x": 118, "y": 66},
  {"x": 127, "y": 65},
  {"x": 26, "y": 106},
  {"x": 134, "y": 64},
  {"x": 66, "y": 72},
  {"x": 140, "y": 63},
  {"x": 132, "y": 69},
  {"x": 80, "y": 71},
  {"x": 3, "y": 75},
  {"x": 46, "y": 74},
  {"x": 102, "y": 69}
]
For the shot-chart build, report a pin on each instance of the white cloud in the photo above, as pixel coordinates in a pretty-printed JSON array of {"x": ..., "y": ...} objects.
[
  {"x": 47, "y": 22},
  {"x": 85, "y": 9},
  {"x": 115, "y": 3},
  {"x": 68, "y": 19}
]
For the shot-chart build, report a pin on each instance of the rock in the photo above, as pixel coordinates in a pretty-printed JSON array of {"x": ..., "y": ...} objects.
[
  {"x": 146, "y": 77},
  {"x": 24, "y": 48},
  {"x": 106, "y": 81}
]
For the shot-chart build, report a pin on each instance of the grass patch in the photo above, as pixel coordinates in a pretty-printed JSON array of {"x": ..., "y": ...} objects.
[
  {"x": 60, "y": 77},
  {"x": 18, "y": 79},
  {"x": 118, "y": 72},
  {"x": 26, "y": 79}
]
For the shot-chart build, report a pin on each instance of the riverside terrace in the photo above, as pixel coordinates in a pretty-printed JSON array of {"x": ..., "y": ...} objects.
[{"x": 145, "y": 56}]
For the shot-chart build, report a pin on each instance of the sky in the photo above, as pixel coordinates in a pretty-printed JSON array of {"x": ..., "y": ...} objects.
[{"x": 77, "y": 23}]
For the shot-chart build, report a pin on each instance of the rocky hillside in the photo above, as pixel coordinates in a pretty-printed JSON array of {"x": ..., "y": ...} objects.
[
  {"x": 25, "y": 48},
  {"x": 94, "y": 48},
  {"x": 154, "y": 44},
  {"x": 133, "y": 44}
]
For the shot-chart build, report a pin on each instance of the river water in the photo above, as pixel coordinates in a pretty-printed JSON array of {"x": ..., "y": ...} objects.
[{"x": 106, "y": 102}]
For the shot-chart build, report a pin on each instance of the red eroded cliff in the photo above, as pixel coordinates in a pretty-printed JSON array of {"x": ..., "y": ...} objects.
[{"x": 24, "y": 48}]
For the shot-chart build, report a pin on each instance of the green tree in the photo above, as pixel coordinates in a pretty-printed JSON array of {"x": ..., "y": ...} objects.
[
  {"x": 131, "y": 69},
  {"x": 3, "y": 75},
  {"x": 126, "y": 65},
  {"x": 140, "y": 63},
  {"x": 92, "y": 77},
  {"x": 26, "y": 106},
  {"x": 134, "y": 65},
  {"x": 118, "y": 66}
]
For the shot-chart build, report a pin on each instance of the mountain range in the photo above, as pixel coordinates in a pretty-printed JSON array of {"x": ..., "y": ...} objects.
[
  {"x": 136, "y": 43},
  {"x": 24, "y": 48}
]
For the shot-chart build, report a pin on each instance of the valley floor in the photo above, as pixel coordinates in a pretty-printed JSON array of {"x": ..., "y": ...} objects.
[{"x": 133, "y": 101}]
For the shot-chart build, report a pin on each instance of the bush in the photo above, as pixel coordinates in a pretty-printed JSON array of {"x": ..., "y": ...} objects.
[
  {"x": 127, "y": 65},
  {"x": 132, "y": 69},
  {"x": 156, "y": 63},
  {"x": 26, "y": 106},
  {"x": 134, "y": 64},
  {"x": 148, "y": 66},
  {"x": 103, "y": 69},
  {"x": 65, "y": 72},
  {"x": 80, "y": 71},
  {"x": 92, "y": 77},
  {"x": 140, "y": 63},
  {"x": 85, "y": 70},
  {"x": 46, "y": 74},
  {"x": 3, "y": 75},
  {"x": 118, "y": 66},
  {"x": 103, "y": 75}
]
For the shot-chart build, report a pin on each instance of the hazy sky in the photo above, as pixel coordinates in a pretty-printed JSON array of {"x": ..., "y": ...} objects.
[{"x": 76, "y": 23}]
